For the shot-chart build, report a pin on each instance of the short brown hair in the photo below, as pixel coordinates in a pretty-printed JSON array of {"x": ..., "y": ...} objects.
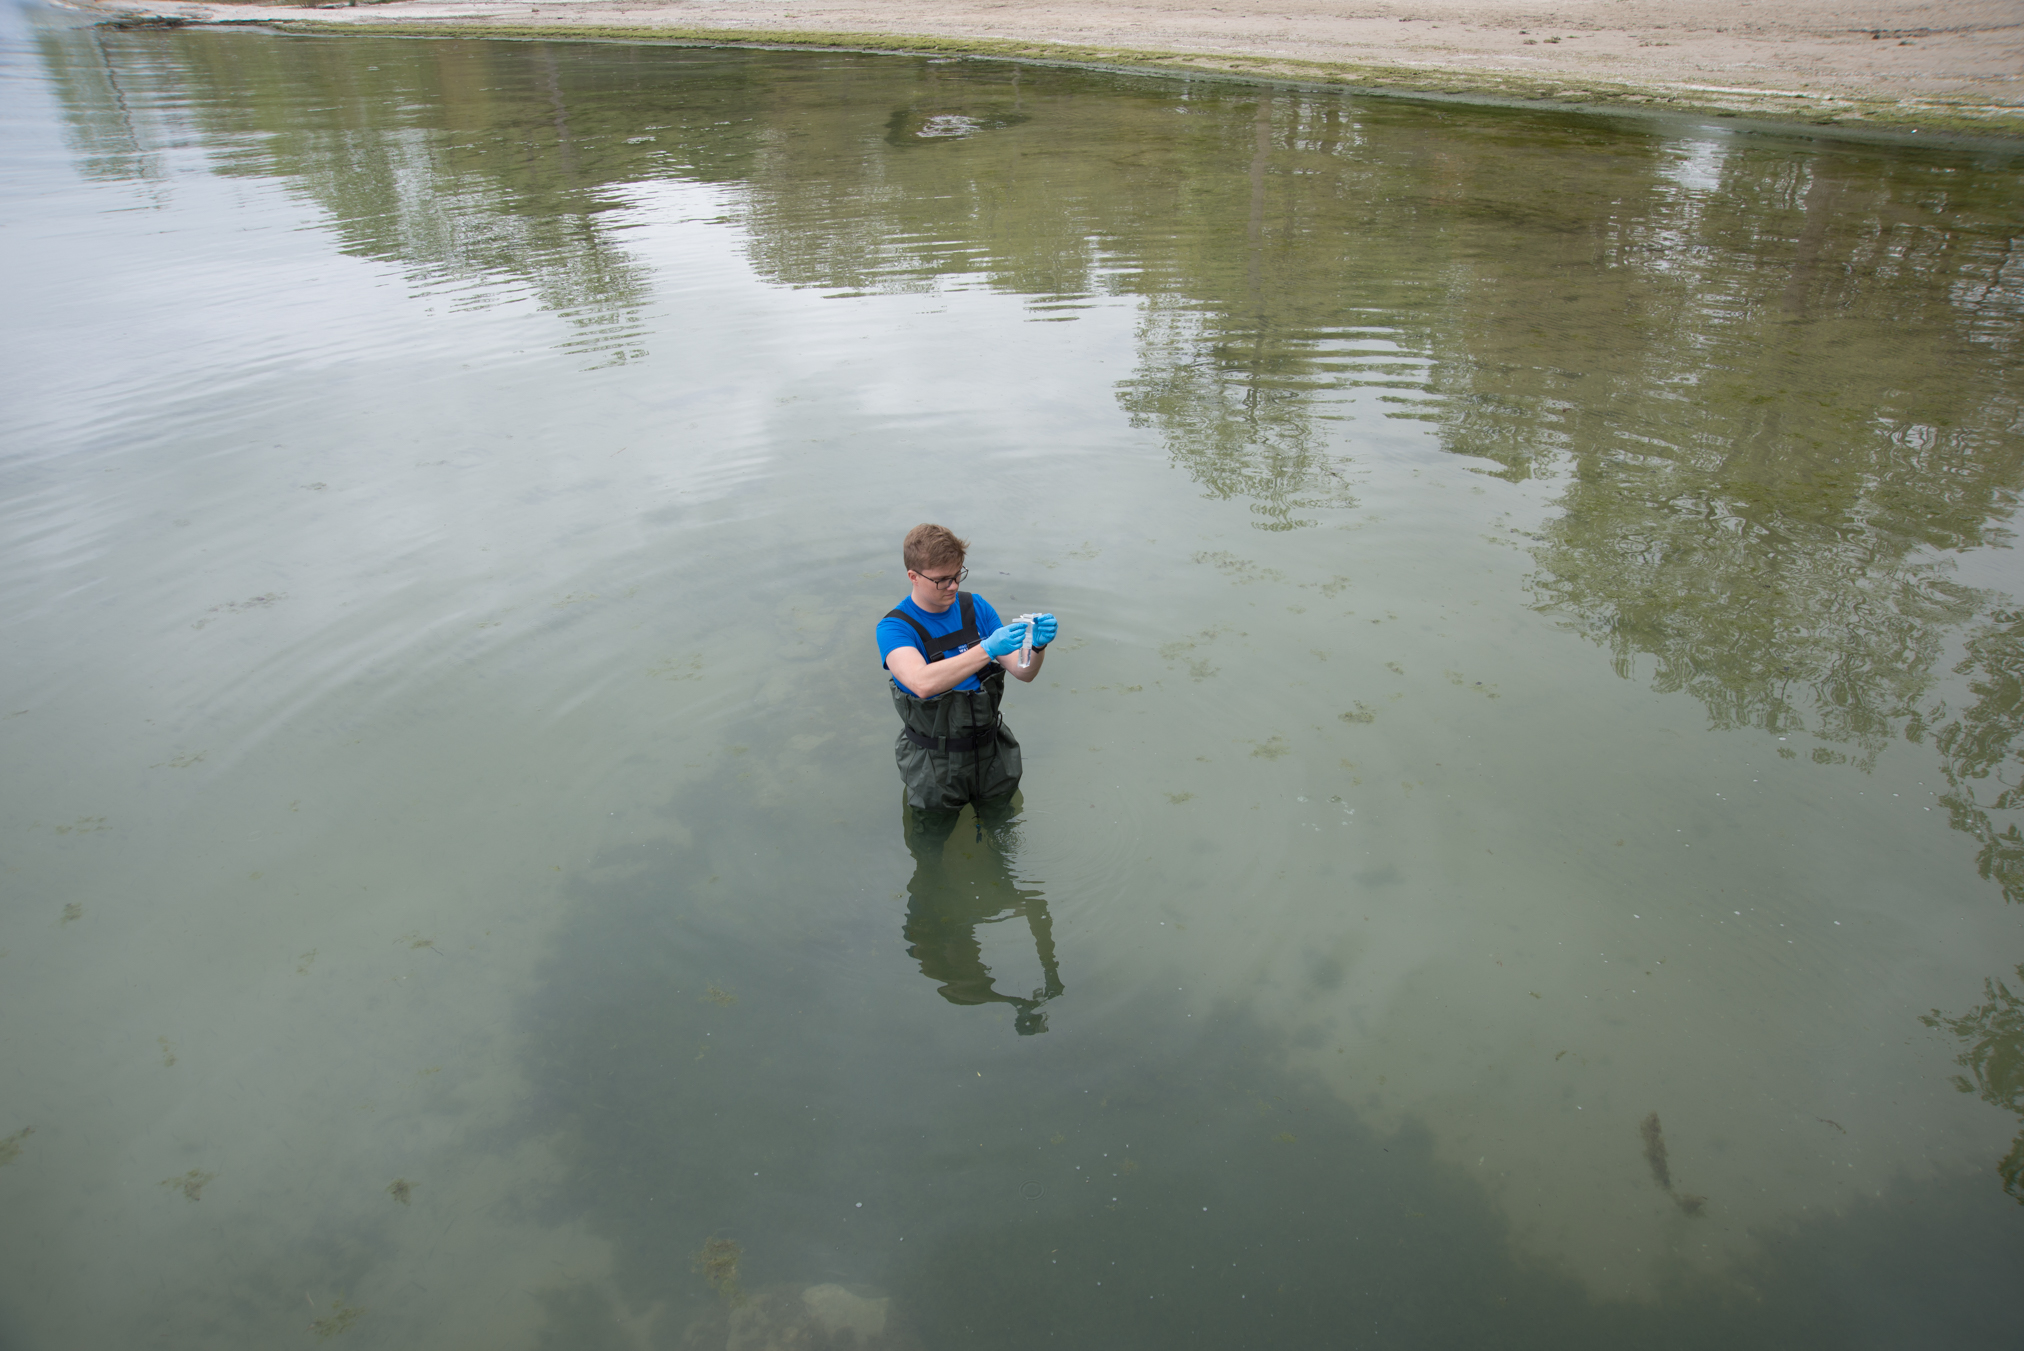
[{"x": 932, "y": 546}]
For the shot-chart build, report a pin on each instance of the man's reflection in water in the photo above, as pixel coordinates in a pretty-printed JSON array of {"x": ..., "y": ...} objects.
[{"x": 957, "y": 888}]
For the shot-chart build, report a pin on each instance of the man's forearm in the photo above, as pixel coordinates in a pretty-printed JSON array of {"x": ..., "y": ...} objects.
[{"x": 939, "y": 677}]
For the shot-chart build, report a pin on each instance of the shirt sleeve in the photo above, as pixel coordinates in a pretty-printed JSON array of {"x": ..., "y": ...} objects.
[
  {"x": 987, "y": 619},
  {"x": 895, "y": 633}
]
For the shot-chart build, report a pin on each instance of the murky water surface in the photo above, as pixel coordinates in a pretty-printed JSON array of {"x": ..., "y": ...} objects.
[{"x": 1524, "y": 806}]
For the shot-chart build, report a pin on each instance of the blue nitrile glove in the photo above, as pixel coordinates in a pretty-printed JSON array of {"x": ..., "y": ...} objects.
[
  {"x": 1007, "y": 640},
  {"x": 1043, "y": 631}
]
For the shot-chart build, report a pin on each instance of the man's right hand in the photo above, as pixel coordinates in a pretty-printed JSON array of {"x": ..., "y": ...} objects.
[{"x": 1006, "y": 640}]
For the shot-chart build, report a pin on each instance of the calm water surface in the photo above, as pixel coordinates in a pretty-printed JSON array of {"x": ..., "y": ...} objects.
[{"x": 1525, "y": 806}]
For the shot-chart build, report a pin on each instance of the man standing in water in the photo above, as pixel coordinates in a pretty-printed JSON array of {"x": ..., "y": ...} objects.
[
  {"x": 948, "y": 679},
  {"x": 948, "y": 655}
]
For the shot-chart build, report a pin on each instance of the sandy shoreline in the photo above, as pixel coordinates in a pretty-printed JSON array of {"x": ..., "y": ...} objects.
[{"x": 1941, "y": 65}]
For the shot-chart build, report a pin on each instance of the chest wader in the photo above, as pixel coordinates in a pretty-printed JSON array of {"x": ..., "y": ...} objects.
[{"x": 954, "y": 748}]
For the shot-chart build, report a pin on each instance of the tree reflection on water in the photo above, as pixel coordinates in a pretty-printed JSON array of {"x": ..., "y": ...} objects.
[
  {"x": 1981, "y": 753},
  {"x": 1994, "y": 1033}
]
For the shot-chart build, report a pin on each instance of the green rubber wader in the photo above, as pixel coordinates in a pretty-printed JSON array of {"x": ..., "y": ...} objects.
[{"x": 985, "y": 762}]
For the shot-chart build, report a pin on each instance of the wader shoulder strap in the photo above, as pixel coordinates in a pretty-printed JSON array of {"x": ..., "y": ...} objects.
[{"x": 933, "y": 648}]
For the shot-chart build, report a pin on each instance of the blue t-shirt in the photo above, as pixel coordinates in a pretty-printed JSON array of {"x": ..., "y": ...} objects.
[{"x": 894, "y": 633}]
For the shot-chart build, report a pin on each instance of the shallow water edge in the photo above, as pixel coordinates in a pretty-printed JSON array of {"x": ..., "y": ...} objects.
[{"x": 1836, "y": 118}]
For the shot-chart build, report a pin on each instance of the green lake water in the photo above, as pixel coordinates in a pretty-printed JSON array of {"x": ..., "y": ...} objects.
[{"x": 1523, "y": 813}]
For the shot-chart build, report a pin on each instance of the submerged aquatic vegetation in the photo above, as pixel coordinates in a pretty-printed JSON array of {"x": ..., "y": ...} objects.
[
  {"x": 10, "y": 1148},
  {"x": 340, "y": 1317},
  {"x": 718, "y": 1261},
  {"x": 235, "y": 607},
  {"x": 191, "y": 1184},
  {"x": 1662, "y": 1173},
  {"x": 676, "y": 669},
  {"x": 401, "y": 1189},
  {"x": 1655, "y": 1151}
]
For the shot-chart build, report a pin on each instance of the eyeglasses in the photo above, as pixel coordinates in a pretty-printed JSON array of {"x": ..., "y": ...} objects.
[{"x": 956, "y": 580}]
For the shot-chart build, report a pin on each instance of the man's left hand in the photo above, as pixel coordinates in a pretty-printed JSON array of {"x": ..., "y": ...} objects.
[{"x": 1007, "y": 639}]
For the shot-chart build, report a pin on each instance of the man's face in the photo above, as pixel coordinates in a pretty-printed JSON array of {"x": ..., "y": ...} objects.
[{"x": 935, "y": 586}]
